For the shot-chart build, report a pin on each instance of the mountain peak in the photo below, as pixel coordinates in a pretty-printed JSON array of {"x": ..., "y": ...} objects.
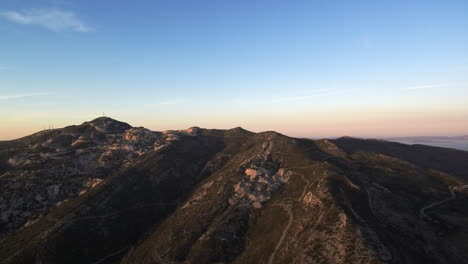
[
  {"x": 103, "y": 119},
  {"x": 107, "y": 124},
  {"x": 238, "y": 129}
]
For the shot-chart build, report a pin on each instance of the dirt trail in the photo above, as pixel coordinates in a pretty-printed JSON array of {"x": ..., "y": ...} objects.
[
  {"x": 452, "y": 196},
  {"x": 290, "y": 214},
  {"x": 283, "y": 235}
]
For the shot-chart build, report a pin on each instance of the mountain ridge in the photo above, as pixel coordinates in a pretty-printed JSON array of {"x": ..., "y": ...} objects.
[{"x": 107, "y": 192}]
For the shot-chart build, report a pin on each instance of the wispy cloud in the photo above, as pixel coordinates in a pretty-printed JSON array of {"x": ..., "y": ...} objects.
[
  {"x": 300, "y": 98},
  {"x": 418, "y": 87},
  {"x": 52, "y": 19},
  {"x": 166, "y": 103},
  {"x": 288, "y": 98},
  {"x": 17, "y": 96},
  {"x": 170, "y": 102}
]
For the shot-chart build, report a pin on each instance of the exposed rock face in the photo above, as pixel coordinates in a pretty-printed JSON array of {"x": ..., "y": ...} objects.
[
  {"x": 262, "y": 177},
  {"x": 62, "y": 164},
  {"x": 106, "y": 192}
]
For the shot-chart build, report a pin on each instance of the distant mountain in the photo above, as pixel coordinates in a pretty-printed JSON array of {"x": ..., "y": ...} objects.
[
  {"x": 106, "y": 192},
  {"x": 458, "y": 142}
]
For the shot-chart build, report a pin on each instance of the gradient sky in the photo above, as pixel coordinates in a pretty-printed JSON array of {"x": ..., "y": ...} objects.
[{"x": 312, "y": 68}]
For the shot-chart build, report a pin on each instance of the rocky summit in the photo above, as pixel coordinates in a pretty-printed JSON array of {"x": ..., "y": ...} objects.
[{"x": 107, "y": 192}]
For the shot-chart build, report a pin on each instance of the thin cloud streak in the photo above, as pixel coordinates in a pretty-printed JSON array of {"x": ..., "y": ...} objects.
[
  {"x": 52, "y": 19},
  {"x": 319, "y": 93},
  {"x": 165, "y": 103},
  {"x": 169, "y": 102},
  {"x": 419, "y": 87},
  {"x": 300, "y": 98},
  {"x": 17, "y": 96}
]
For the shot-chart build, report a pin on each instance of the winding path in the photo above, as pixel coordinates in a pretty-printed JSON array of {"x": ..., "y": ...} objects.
[
  {"x": 290, "y": 214},
  {"x": 452, "y": 196}
]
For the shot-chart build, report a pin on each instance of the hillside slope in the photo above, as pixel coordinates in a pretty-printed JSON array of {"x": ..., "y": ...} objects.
[{"x": 106, "y": 192}]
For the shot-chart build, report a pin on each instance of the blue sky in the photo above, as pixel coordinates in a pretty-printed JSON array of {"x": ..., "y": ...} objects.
[{"x": 303, "y": 68}]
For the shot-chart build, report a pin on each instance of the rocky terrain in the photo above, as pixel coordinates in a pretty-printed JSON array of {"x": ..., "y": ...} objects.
[{"x": 107, "y": 192}]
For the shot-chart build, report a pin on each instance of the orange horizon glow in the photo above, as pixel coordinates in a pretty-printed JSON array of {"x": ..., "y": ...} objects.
[{"x": 356, "y": 123}]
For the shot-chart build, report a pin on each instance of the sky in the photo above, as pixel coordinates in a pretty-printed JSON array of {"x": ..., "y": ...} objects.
[{"x": 312, "y": 68}]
